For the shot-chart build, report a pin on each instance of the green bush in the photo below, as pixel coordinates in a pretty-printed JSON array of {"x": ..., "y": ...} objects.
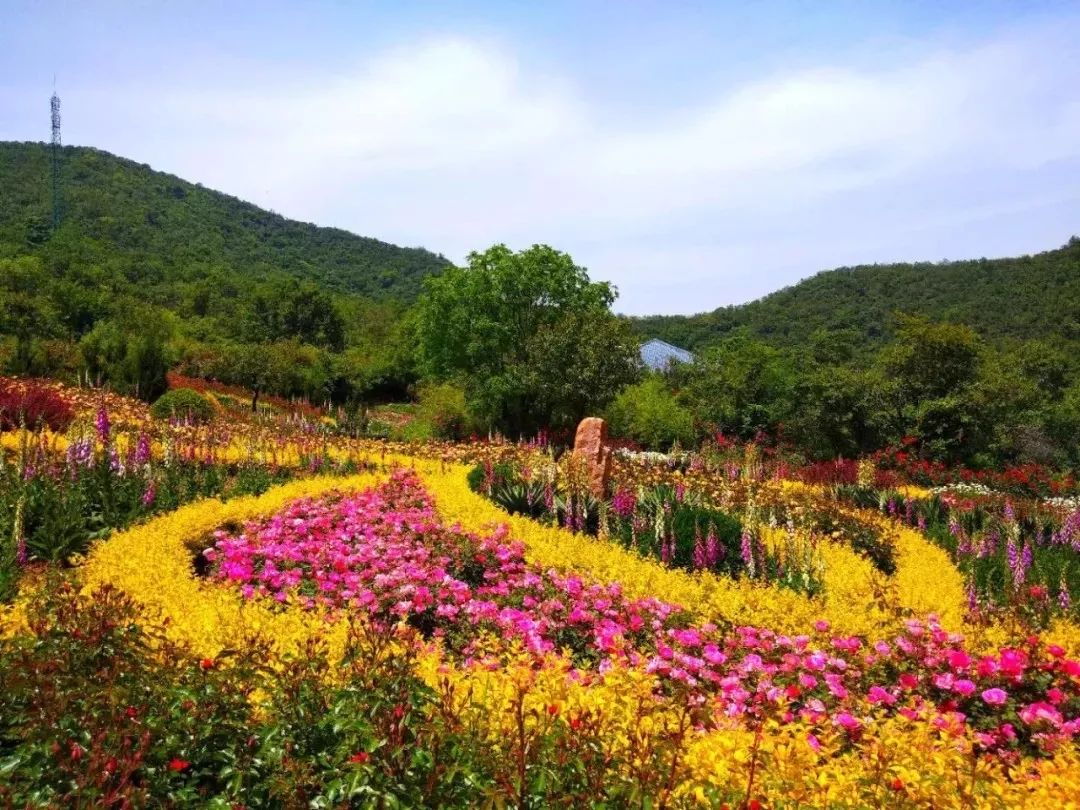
[
  {"x": 443, "y": 406},
  {"x": 416, "y": 430},
  {"x": 182, "y": 403},
  {"x": 485, "y": 479},
  {"x": 650, "y": 415}
]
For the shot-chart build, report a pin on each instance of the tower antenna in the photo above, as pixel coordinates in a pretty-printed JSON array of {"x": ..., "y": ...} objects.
[{"x": 55, "y": 155}]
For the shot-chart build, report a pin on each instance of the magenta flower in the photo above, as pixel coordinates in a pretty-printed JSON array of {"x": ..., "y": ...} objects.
[
  {"x": 995, "y": 696},
  {"x": 102, "y": 424}
]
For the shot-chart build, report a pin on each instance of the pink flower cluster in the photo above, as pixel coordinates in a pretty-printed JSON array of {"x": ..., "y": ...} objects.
[{"x": 384, "y": 551}]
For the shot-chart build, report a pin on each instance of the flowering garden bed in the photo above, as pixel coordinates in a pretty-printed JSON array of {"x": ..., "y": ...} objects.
[
  {"x": 393, "y": 638},
  {"x": 383, "y": 552}
]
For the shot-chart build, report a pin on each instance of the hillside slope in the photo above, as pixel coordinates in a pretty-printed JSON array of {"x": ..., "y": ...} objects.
[
  {"x": 1026, "y": 297},
  {"x": 162, "y": 229}
]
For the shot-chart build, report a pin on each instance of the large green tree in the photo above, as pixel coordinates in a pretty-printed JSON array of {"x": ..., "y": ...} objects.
[
  {"x": 527, "y": 333},
  {"x": 741, "y": 386}
]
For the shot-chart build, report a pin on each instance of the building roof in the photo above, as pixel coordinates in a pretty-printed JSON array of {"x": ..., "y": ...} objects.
[{"x": 659, "y": 355}]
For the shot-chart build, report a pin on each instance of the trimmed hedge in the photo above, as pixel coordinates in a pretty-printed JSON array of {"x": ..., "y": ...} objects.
[{"x": 183, "y": 403}]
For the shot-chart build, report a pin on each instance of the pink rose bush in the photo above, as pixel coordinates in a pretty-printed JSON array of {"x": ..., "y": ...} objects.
[{"x": 384, "y": 552}]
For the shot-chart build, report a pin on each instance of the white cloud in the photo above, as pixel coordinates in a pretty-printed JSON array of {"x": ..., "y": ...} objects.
[{"x": 453, "y": 144}]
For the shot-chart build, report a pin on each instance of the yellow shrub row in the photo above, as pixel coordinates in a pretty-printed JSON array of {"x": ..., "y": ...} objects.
[
  {"x": 897, "y": 763},
  {"x": 857, "y": 599},
  {"x": 152, "y": 563}
]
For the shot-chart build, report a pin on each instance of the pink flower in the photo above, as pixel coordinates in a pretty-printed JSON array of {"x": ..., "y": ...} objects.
[
  {"x": 995, "y": 696},
  {"x": 958, "y": 659},
  {"x": 1037, "y": 712},
  {"x": 846, "y": 721},
  {"x": 908, "y": 681},
  {"x": 878, "y": 694},
  {"x": 964, "y": 687}
]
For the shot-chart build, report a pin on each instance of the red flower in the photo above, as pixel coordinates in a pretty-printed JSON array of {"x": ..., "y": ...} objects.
[
  {"x": 553, "y": 709},
  {"x": 360, "y": 757},
  {"x": 76, "y": 752},
  {"x": 178, "y": 765},
  {"x": 131, "y": 713},
  {"x": 897, "y": 784},
  {"x": 753, "y": 804},
  {"x": 207, "y": 663}
]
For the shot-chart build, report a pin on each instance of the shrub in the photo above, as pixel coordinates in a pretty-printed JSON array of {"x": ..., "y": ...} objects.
[
  {"x": 650, "y": 415},
  {"x": 32, "y": 404},
  {"x": 486, "y": 478},
  {"x": 443, "y": 407},
  {"x": 182, "y": 403},
  {"x": 416, "y": 430}
]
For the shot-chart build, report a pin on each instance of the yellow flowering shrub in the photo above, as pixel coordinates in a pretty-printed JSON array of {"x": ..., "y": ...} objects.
[
  {"x": 857, "y": 598},
  {"x": 152, "y": 563}
]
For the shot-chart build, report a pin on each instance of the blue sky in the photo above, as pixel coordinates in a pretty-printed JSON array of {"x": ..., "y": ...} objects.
[{"x": 695, "y": 154}]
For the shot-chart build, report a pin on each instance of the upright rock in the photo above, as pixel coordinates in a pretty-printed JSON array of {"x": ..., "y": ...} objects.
[{"x": 590, "y": 446}]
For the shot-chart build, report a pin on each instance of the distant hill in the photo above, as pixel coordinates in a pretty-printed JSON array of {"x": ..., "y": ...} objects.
[
  {"x": 160, "y": 229},
  {"x": 1026, "y": 297}
]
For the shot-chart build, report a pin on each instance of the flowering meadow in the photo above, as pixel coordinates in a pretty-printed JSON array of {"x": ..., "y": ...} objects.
[{"x": 263, "y": 610}]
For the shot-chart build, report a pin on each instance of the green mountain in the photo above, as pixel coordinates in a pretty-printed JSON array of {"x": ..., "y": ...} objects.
[
  {"x": 157, "y": 229},
  {"x": 1020, "y": 298}
]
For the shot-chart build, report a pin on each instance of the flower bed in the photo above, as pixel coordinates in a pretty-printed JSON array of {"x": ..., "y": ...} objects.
[
  {"x": 383, "y": 552},
  {"x": 534, "y": 621}
]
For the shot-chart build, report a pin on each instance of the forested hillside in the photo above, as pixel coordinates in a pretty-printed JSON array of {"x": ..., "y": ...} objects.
[
  {"x": 161, "y": 231},
  {"x": 147, "y": 271},
  {"x": 1029, "y": 297}
]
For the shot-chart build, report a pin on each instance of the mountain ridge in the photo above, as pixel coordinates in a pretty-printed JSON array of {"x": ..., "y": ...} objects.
[
  {"x": 1024, "y": 297},
  {"x": 130, "y": 209}
]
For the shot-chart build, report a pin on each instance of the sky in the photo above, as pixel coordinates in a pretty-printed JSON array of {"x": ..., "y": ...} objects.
[{"x": 694, "y": 154}]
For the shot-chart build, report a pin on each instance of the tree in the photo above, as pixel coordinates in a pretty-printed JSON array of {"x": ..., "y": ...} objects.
[
  {"x": 131, "y": 356},
  {"x": 145, "y": 366},
  {"x": 578, "y": 364},
  {"x": 480, "y": 323},
  {"x": 930, "y": 372},
  {"x": 741, "y": 386}
]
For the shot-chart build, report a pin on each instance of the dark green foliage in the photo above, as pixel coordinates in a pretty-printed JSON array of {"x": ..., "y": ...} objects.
[
  {"x": 485, "y": 478},
  {"x": 183, "y": 404},
  {"x": 129, "y": 353},
  {"x": 686, "y": 528}
]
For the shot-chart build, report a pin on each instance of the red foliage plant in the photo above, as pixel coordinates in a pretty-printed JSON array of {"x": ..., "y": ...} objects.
[{"x": 33, "y": 404}]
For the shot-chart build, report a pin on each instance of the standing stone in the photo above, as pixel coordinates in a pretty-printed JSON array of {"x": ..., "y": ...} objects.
[{"x": 589, "y": 445}]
